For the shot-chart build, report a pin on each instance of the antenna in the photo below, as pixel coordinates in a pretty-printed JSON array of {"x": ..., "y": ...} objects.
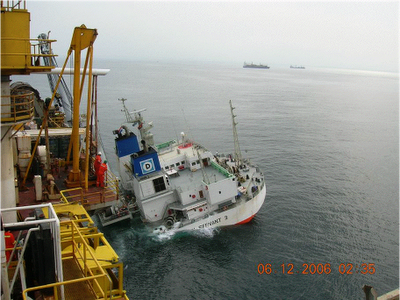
[
  {"x": 187, "y": 125},
  {"x": 138, "y": 120},
  {"x": 125, "y": 110}
]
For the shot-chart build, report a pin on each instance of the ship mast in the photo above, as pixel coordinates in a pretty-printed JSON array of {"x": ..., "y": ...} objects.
[
  {"x": 145, "y": 134},
  {"x": 238, "y": 153},
  {"x": 125, "y": 110}
]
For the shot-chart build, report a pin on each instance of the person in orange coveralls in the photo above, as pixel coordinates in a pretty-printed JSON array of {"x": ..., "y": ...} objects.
[
  {"x": 101, "y": 174},
  {"x": 97, "y": 163}
]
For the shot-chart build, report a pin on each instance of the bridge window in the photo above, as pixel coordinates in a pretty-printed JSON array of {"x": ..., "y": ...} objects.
[{"x": 159, "y": 184}]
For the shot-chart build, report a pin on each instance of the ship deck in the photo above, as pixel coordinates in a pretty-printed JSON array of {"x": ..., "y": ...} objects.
[
  {"x": 187, "y": 180},
  {"x": 91, "y": 198},
  {"x": 77, "y": 290},
  {"x": 182, "y": 151}
]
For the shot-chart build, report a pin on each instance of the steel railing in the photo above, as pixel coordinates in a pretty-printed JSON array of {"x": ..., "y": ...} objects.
[
  {"x": 19, "y": 109},
  {"x": 82, "y": 252},
  {"x": 85, "y": 198},
  {"x": 10, "y": 5},
  {"x": 30, "y": 57}
]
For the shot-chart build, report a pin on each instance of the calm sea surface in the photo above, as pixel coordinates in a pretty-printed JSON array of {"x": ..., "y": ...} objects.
[{"x": 328, "y": 144}]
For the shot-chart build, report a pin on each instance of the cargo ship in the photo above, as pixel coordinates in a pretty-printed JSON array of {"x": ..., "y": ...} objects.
[
  {"x": 179, "y": 185},
  {"x": 297, "y": 67},
  {"x": 259, "y": 66}
]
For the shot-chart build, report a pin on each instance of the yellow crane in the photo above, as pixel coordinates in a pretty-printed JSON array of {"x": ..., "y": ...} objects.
[
  {"x": 19, "y": 55},
  {"x": 83, "y": 265},
  {"x": 82, "y": 38}
]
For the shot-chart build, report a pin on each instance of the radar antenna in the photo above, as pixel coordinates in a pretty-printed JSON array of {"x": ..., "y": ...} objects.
[
  {"x": 128, "y": 116},
  {"x": 145, "y": 133}
]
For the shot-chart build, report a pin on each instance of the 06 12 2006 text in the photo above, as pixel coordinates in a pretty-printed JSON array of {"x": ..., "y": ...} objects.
[{"x": 317, "y": 268}]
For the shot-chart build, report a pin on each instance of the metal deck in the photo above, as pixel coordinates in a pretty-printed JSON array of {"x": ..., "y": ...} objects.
[
  {"x": 189, "y": 180},
  {"x": 77, "y": 290}
]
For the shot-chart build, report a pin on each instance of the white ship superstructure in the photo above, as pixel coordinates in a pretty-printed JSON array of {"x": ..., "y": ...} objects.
[{"x": 182, "y": 185}]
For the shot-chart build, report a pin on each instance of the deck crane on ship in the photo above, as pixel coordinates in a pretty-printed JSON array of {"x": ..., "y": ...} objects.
[
  {"x": 55, "y": 249},
  {"x": 16, "y": 110},
  {"x": 237, "y": 153},
  {"x": 63, "y": 96}
]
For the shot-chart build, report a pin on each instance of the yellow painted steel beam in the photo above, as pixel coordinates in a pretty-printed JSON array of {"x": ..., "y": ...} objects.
[
  {"x": 46, "y": 113},
  {"x": 82, "y": 38}
]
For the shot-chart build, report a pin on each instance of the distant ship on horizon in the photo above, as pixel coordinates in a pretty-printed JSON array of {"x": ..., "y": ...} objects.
[
  {"x": 260, "y": 66},
  {"x": 297, "y": 67}
]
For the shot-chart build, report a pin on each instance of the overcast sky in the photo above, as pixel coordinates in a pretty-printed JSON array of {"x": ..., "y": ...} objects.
[{"x": 354, "y": 35}]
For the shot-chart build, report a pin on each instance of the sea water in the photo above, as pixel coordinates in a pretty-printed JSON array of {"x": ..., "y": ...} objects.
[{"x": 327, "y": 142}]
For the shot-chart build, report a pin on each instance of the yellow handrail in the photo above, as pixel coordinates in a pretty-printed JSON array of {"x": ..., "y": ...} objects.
[
  {"x": 34, "y": 44},
  {"x": 87, "y": 198},
  {"x": 20, "y": 108},
  {"x": 10, "y": 5},
  {"x": 83, "y": 253}
]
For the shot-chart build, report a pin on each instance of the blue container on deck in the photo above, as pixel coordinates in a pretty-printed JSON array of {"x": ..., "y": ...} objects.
[{"x": 127, "y": 145}]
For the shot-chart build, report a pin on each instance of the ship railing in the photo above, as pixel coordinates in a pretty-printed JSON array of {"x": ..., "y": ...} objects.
[
  {"x": 250, "y": 194},
  {"x": 10, "y": 5},
  {"x": 31, "y": 59},
  {"x": 112, "y": 183},
  {"x": 166, "y": 147},
  {"x": 95, "y": 274},
  {"x": 17, "y": 108},
  {"x": 221, "y": 169},
  {"x": 86, "y": 199}
]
